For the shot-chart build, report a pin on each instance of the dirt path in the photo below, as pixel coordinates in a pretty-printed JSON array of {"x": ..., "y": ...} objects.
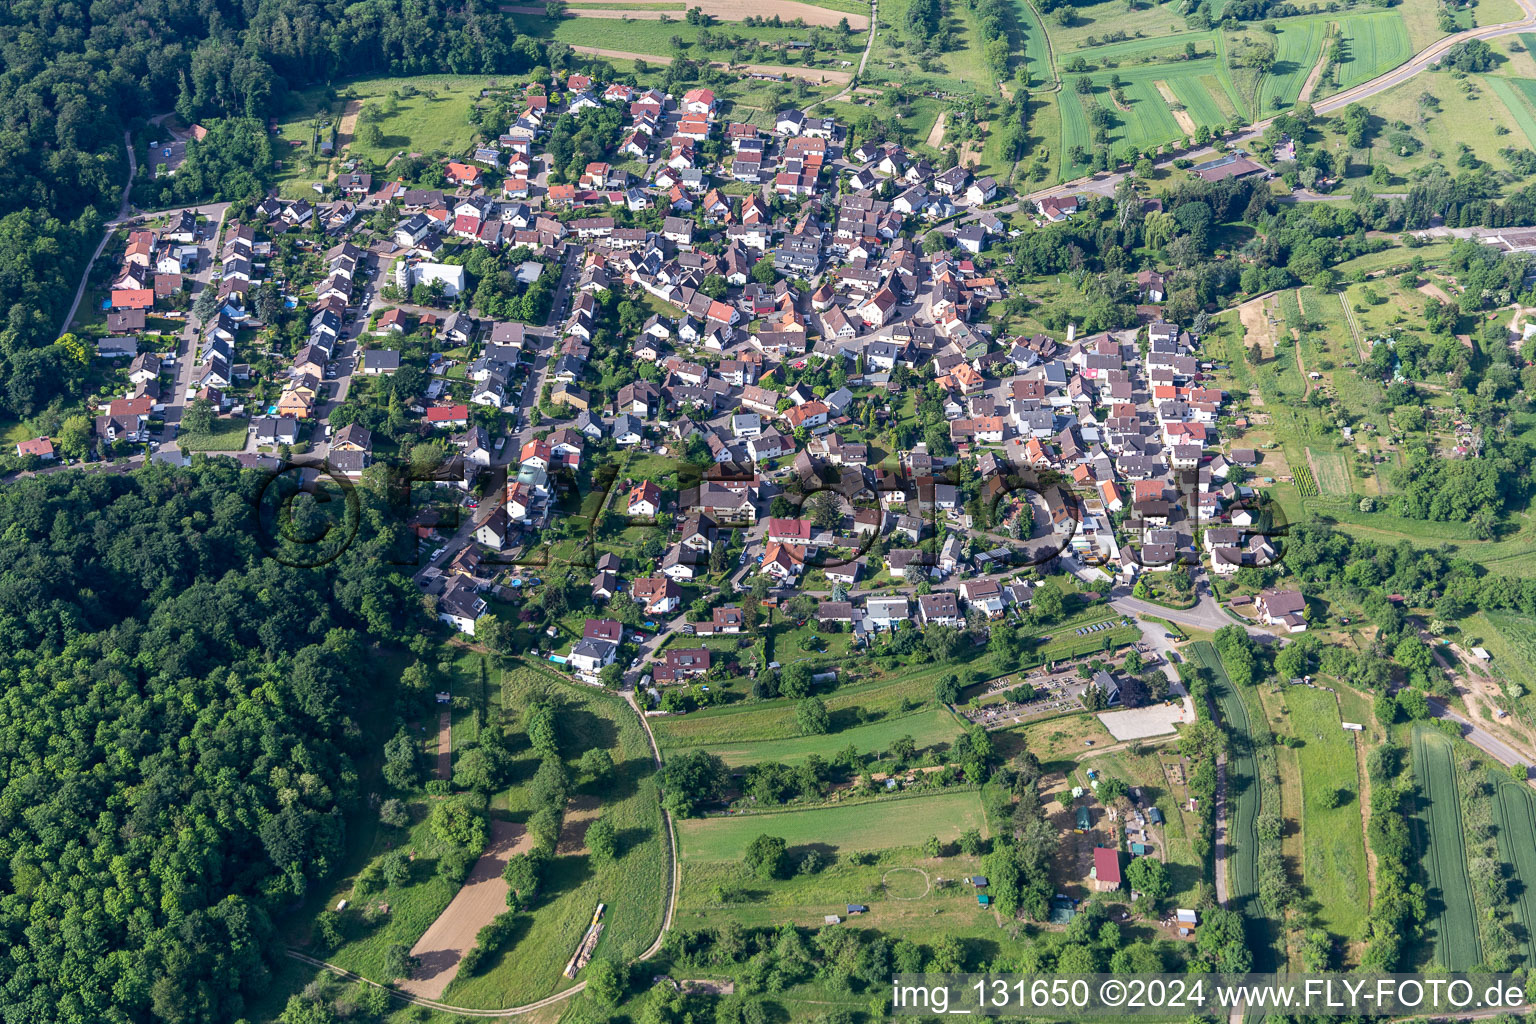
[
  {"x": 483, "y": 896},
  {"x": 346, "y": 128},
  {"x": 1365, "y": 809},
  {"x": 1301, "y": 368},
  {"x": 869, "y": 44},
  {"x": 444, "y": 766},
  {"x": 1434, "y": 291},
  {"x": 1354, "y": 328},
  {"x": 1186, "y": 123},
  {"x": 580, "y": 812},
  {"x": 814, "y": 75},
  {"x": 1257, "y": 329},
  {"x": 936, "y": 134},
  {"x": 671, "y": 836},
  {"x": 1317, "y": 69},
  {"x": 725, "y": 10}
]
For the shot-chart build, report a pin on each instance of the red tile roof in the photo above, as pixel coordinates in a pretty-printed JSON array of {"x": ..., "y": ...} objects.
[{"x": 1106, "y": 865}]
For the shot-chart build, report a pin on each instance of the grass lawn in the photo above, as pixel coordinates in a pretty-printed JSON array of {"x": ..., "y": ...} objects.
[
  {"x": 1091, "y": 21},
  {"x": 1466, "y": 111},
  {"x": 930, "y": 727},
  {"x": 1511, "y": 640},
  {"x": 1334, "y": 862},
  {"x": 959, "y": 70},
  {"x": 847, "y": 827},
  {"x": 227, "y": 435},
  {"x": 1061, "y": 739},
  {"x": 775, "y": 719},
  {"x": 420, "y": 124},
  {"x": 892, "y": 885},
  {"x": 846, "y": 6},
  {"x": 529, "y": 966},
  {"x": 654, "y": 36}
]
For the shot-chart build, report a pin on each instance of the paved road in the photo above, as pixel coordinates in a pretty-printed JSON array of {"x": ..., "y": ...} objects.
[
  {"x": 1207, "y": 613},
  {"x": 1481, "y": 738},
  {"x": 869, "y": 44},
  {"x": 191, "y": 329}
]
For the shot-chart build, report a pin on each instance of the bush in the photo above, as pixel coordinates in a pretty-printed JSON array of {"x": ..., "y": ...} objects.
[
  {"x": 460, "y": 821},
  {"x": 766, "y": 856}
]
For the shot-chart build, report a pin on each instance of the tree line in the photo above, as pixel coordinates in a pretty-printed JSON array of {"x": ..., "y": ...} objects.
[{"x": 175, "y": 708}]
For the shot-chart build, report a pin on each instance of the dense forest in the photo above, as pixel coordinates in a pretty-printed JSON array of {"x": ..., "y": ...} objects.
[
  {"x": 78, "y": 75},
  {"x": 177, "y": 735}
]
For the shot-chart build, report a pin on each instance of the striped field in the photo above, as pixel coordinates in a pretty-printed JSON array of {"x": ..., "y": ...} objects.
[
  {"x": 1514, "y": 814},
  {"x": 1298, "y": 46},
  {"x": 1451, "y": 927},
  {"x": 1519, "y": 95},
  {"x": 1243, "y": 800},
  {"x": 1373, "y": 44}
]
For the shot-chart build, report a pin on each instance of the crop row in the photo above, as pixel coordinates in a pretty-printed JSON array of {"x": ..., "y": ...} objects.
[{"x": 1452, "y": 923}]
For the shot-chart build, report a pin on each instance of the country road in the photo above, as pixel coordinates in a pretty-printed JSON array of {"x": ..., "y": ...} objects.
[
  {"x": 1481, "y": 738},
  {"x": 869, "y": 44}
]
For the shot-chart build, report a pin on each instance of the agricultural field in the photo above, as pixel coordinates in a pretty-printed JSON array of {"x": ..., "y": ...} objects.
[
  {"x": 1201, "y": 87},
  {"x": 1373, "y": 45},
  {"x": 529, "y": 966},
  {"x": 1514, "y": 817},
  {"x": 859, "y": 826},
  {"x": 1298, "y": 45},
  {"x": 1243, "y": 798},
  {"x": 1451, "y": 927},
  {"x": 1515, "y": 94},
  {"x": 1334, "y": 861},
  {"x": 1330, "y": 471},
  {"x": 1037, "y": 47},
  {"x": 932, "y": 727}
]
